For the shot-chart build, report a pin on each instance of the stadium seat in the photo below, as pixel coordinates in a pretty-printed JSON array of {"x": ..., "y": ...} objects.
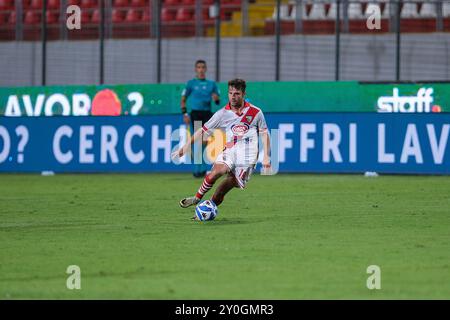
[
  {"x": 121, "y": 3},
  {"x": 184, "y": 14},
  {"x": 133, "y": 16},
  {"x": 355, "y": 11},
  {"x": 85, "y": 17},
  {"x": 95, "y": 16},
  {"x": 146, "y": 15},
  {"x": 172, "y": 2},
  {"x": 73, "y": 2},
  {"x": 7, "y": 30},
  {"x": 36, "y": 4},
  {"x": 6, "y": 4},
  {"x": 53, "y": 4},
  {"x": 208, "y": 2},
  {"x": 52, "y": 17},
  {"x": 386, "y": 11},
  {"x": 137, "y": 3},
  {"x": 332, "y": 12},
  {"x": 188, "y": 2},
  {"x": 446, "y": 9},
  {"x": 12, "y": 18},
  {"x": 428, "y": 10},
  {"x": 117, "y": 16},
  {"x": 304, "y": 10},
  {"x": 167, "y": 14},
  {"x": 32, "y": 17},
  {"x": 284, "y": 12},
  {"x": 293, "y": 13},
  {"x": 317, "y": 12},
  {"x": 88, "y": 4},
  {"x": 409, "y": 10},
  {"x": 205, "y": 14},
  {"x": 3, "y": 18},
  {"x": 25, "y": 4}
]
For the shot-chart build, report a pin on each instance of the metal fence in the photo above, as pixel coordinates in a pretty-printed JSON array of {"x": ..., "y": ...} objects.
[{"x": 150, "y": 41}]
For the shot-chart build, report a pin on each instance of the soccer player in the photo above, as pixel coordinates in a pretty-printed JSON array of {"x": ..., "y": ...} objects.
[
  {"x": 243, "y": 123},
  {"x": 200, "y": 91}
]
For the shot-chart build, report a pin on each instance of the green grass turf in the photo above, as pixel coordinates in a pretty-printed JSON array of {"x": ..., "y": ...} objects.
[{"x": 284, "y": 237}]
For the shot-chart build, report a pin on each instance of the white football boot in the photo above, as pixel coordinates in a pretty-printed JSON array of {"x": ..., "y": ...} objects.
[{"x": 189, "y": 201}]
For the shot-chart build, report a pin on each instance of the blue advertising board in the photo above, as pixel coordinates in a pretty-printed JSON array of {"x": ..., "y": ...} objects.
[{"x": 301, "y": 142}]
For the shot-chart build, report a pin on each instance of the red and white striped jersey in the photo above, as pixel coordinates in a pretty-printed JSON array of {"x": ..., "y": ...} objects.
[{"x": 238, "y": 127}]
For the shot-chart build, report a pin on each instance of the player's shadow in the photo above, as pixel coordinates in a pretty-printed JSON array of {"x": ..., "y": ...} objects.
[{"x": 226, "y": 221}]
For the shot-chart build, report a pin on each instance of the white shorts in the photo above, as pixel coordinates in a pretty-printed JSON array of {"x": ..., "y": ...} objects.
[{"x": 241, "y": 159}]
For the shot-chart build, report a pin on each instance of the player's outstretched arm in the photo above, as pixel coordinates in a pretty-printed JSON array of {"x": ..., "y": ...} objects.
[{"x": 184, "y": 149}]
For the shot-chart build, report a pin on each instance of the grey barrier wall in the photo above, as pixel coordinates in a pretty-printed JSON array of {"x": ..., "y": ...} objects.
[{"x": 302, "y": 58}]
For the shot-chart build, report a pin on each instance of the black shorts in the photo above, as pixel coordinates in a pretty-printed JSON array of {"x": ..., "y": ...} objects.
[{"x": 202, "y": 116}]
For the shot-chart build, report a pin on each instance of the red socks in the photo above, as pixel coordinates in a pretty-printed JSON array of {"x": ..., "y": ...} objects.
[{"x": 205, "y": 187}]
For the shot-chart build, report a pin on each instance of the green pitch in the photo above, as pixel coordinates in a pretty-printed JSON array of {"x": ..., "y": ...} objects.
[{"x": 285, "y": 237}]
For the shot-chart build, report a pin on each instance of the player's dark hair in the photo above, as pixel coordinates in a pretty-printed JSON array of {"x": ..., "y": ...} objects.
[
  {"x": 200, "y": 61},
  {"x": 237, "y": 84}
]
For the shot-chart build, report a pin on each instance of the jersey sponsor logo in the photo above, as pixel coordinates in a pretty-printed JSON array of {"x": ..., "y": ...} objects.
[{"x": 240, "y": 129}]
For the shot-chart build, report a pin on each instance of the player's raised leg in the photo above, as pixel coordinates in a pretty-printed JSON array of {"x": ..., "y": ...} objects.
[
  {"x": 225, "y": 186},
  {"x": 218, "y": 170}
]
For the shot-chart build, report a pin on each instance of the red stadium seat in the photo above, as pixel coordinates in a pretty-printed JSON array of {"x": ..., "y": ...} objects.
[
  {"x": 137, "y": 3},
  {"x": 53, "y": 4},
  {"x": 184, "y": 14},
  {"x": 52, "y": 17},
  {"x": 3, "y": 18},
  {"x": 188, "y": 2},
  {"x": 146, "y": 15},
  {"x": 32, "y": 17},
  {"x": 121, "y": 3},
  {"x": 6, "y": 4},
  {"x": 205, "y": 14},
  {"x": 133, "y": 16},
  {"x": 167, "y": 14},
  {"x": 12, "y": 18},
  {"x": 85, "y": 17},
  {"x": 207, "y": 2},
  {"x": 89, "y": 4},
  {"x": 26, "y": 4},
  {"x": 36, "y": 4},
  {"x": 95, "y": 16},
  {"x": 117, "y": 16},
  {"x": 171, "y": 2},
  {"x": 232, "y": 2},
  {"x": 73, "y": 2}
]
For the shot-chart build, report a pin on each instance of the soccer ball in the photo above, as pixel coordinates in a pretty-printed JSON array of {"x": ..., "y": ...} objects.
[{"x": 206, "y": 210}]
